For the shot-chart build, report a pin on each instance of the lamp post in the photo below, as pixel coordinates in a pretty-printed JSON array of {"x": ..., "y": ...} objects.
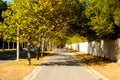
[{"x": 18, "y": 41}]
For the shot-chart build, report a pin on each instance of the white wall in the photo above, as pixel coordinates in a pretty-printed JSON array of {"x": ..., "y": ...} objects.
[
  {"x": 83, "y": 47},
  {"x": 75, "y": 46},
  {"x": 105, "y": 48}
]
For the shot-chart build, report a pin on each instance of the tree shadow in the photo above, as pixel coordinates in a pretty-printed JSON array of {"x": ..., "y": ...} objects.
[
  {"x": 46, "y": 53},
  {"x": 90, "y": 60},
  {"x": 61, "y": 63},
  {"x": 60, "y": 60}
]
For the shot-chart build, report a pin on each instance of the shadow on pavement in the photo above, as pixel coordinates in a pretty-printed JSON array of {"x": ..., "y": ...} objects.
[
  {"x": 91, "y": 60},
  {"x": 58, "y": 59},
  {"x": 61, "y": 63}
]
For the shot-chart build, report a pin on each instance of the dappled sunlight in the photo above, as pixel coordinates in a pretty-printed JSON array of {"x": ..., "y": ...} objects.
[
  {"x": 60, "y": 59},
  {"x": 91, "y": 60}
]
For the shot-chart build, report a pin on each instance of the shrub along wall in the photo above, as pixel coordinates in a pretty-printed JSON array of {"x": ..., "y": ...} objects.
[{"x": 109, "y": 49}]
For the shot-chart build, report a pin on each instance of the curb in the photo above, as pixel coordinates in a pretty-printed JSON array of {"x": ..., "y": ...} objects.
[
  {"x": 31, "y": 75},
  {"x": 97, "y": 74},
  {"x": 35, "y": 71},
  {"x": 92, "y": 71}
]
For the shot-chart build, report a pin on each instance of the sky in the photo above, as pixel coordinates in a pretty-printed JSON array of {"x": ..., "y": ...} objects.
[{"x": 7, "y": 0}]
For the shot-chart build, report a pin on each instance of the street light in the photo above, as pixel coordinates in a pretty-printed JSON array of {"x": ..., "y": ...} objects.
[{"x": 18, "y": 41}]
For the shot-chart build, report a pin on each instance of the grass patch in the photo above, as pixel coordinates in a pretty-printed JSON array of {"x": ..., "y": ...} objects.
[{"x": 17, "y": 70}]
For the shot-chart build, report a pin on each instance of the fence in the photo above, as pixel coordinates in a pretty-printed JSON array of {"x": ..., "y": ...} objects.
[{"x": 104, "y": 48}]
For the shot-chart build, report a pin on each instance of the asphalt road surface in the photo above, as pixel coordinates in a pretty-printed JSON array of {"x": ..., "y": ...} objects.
[
  {"x": 62, "y": 66},
  {"x": 10, "y": 55}
]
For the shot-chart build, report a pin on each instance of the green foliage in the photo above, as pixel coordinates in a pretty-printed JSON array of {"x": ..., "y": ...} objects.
[
  {"x": 93, "y": 19},
  {"x": 101, "y": 17},
  {"x": 76, "y": 39},
  {"x": 117, "y": 13},
  {"x": 38, "y": 17},
  {"x": 3, "y": 7},
  {"x": 96, "y": 19}
]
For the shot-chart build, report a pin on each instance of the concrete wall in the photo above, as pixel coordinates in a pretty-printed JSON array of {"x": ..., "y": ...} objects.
[
  {"x": 104, "y": 48},
  {"x": 73, "y": 46},
  {"x": 83, "y": 47}
]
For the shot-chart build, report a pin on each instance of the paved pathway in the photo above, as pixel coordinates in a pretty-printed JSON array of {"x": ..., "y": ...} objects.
[
  {"x": 4, "y": 61},
  {"x": 61, "y": 66}
]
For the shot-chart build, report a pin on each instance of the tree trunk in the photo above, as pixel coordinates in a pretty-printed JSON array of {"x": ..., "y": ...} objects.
[
  {"x": 13, "y": 45},
  {"x": 38, "y": 53},
  {"x": 18, "y": 45},
  {"x": 49, "y": 46},
  {"x": 42, "y": 46},
  {"x": 3, "y": 45},
  {"x": 29, "y": 55},
  {"x": 23, "y": 45},
  {"x": 8, "y": 45}
]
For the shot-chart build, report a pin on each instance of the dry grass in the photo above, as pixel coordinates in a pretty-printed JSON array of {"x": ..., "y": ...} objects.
[
  {"x": 108, "y": 68},
  {"x": 111, "y": 70},
  {"x": 18, "y": 70}
]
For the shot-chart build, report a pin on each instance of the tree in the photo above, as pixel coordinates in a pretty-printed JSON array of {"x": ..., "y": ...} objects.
[
  {"x": 3, "y": 7},
  {"x": 117, "y": 12},
  {"x": 32, "y": 18},
  {"x": 102, "y": 18}
]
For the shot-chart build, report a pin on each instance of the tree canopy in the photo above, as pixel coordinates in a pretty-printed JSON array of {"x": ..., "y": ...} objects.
[
  {"x": 93, "y": 19},
  {"x": 58, "y": 20},
  {"x": 97, "y": 19}
]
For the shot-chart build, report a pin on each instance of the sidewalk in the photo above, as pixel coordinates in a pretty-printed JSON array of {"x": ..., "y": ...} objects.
[{"x": 60, "y": 66}]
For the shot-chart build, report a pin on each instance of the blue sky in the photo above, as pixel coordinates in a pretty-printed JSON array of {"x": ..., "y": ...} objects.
[{"x": 7, "y": 0}]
